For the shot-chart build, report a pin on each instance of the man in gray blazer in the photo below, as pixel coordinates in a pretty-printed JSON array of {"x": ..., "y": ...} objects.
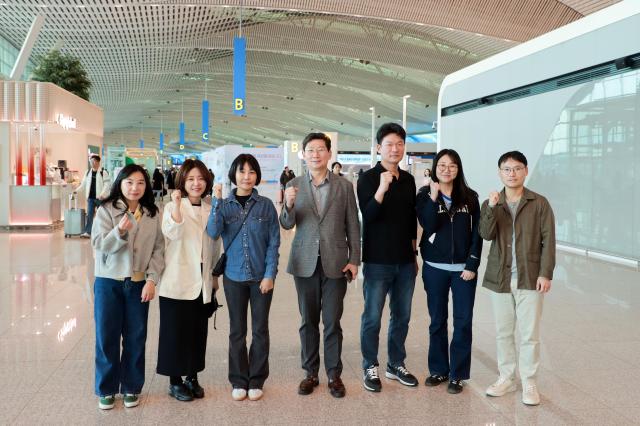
[{"x": 325, "y": 254}]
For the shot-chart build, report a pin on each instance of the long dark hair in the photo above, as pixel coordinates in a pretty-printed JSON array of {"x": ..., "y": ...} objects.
[
  {"x": 461, "y": 193},
  {"x": 147, "y": 202}
]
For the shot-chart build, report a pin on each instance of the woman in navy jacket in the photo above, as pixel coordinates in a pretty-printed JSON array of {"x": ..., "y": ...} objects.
[{"x": 449, "y": 212}]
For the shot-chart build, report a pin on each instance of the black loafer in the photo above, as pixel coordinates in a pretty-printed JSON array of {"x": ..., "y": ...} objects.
[
  {"x": 307, "y": 384},
  {"x": 336, "y": 388},
  {"x": 455, "y": 386},
  {"x": 180, "y": 392},
  {"x": 195, "y": 388}
]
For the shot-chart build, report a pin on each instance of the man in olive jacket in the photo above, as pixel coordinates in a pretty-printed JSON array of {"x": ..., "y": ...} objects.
[{"x": 521, "y": 227}]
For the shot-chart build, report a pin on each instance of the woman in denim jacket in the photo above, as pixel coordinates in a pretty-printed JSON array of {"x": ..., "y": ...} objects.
[{"x": 252, "y": 265}]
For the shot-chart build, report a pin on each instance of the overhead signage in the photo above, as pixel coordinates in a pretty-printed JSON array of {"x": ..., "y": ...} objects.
[
  {"x": 239, "y": 75},
  {"x": 205, "y": 120}
]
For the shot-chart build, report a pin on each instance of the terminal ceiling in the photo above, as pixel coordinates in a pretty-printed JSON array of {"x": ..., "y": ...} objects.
[{"x": 311, "y": 64}]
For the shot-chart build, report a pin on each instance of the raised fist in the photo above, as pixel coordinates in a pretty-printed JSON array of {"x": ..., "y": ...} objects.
[
  {"x": 385, "y": 180},
  {"x": 494, "y": 196},
  {"x": 217, "y": 191},
  {"x": 290, "y": 195},
  {"x": 434, "y": 190},
  {"x": 176, "y": 196}
]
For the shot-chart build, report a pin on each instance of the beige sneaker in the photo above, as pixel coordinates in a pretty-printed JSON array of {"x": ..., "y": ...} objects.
[
  {"x": 238, "y": 394},
  {"x": 255, "y": 394},
  {"x": 530, "y": 395},
  {"x": 501, "y": 387}
]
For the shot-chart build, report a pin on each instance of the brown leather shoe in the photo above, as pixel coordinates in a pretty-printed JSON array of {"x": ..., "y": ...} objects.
[
  {"x": 307, "y": 384},
  {"x": 336, "y": 388}
]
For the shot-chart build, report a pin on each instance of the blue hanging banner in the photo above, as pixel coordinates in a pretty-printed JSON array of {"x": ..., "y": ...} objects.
[
  {"x": 205, "y": 121},
  {"x": 239, "y": 75},
  {"x": 161, "y": 141},
  {"x": 182, "y": 133},
  {"x": 141, "y": 143}
]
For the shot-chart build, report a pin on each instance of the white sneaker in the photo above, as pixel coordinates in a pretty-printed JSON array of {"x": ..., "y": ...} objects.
[
  {"x": 238, "y": 394},
  {"x": 501, "y": 387},
  {"x": 255, "y": 394},
  {"x": 85, "y": 235},
  {"x": 530, "y": 395}
]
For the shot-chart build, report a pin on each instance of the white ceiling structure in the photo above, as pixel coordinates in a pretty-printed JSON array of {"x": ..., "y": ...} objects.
[{"x": 311, "y": 64}]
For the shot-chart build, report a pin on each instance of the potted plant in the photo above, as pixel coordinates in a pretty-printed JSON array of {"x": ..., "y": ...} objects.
[{"x": 65, "y": 71}]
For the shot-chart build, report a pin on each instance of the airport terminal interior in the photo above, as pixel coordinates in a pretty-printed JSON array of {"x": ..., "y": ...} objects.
[{"x": 173, "y": 80}]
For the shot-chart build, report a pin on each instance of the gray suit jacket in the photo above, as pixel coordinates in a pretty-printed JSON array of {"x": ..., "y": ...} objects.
[{"x": 334, "y": 232}]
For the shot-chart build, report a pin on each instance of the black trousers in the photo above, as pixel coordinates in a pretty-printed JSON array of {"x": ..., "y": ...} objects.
[
  {"x": 183, "y": 336},
  {"x": 319, "y": 295},
  {"x": 248, "y": 370}
]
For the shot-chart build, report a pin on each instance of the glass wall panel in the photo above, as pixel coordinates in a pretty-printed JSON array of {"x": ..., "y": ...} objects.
[
  {"x": 8, "y": 55},
  {"x": 590, "y": 168}
]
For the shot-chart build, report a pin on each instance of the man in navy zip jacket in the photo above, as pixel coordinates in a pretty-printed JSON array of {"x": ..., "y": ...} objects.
[{"x": 449, "y": 213}]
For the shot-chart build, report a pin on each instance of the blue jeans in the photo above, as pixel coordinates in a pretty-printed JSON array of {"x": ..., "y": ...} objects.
[
  {"x": 120, "y": 317},
  {"x": 437, "y": 283},
  {"x": 399, "y": 282},
  {"x": 92, "y": 205}
]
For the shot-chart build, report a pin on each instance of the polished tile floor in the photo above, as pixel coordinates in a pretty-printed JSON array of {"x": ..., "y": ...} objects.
[{"x": 590, "y": 363}]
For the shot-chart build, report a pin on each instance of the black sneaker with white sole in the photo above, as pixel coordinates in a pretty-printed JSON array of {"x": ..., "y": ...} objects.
[
  {"x": 401, "y": 374},
  {"x": 435, "y": 380},
  {"x": 371, "y": 379}
]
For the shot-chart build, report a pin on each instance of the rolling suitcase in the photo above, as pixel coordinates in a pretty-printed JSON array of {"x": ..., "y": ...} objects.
[{"x": 74, "y": 218}]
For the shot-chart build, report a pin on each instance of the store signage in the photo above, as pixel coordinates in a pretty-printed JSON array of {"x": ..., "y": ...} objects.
[
  {"x": 161, "y": 141},
  {"x": 239, "y": 75},
  {"x": 205, "y": 137},
  {"x": 66, "y": 122}
]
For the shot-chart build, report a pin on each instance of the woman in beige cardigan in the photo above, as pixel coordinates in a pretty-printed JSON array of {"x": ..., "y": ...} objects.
[
  {"x": 188, "y": 285},
  {"x": 129, "y": 250}
]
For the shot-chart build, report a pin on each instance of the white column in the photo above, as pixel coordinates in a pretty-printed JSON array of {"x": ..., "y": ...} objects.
[
  {"x": 404, "y": 164},
  {"x": 374, "y": 150},
  {"x": 25, "y": 52},
  {"x": 334, "y": 146},
  {"x": 5, "y": 171}
]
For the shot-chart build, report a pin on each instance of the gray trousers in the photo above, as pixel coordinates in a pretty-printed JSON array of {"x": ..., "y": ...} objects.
[
  {"x": 319, "y": 295},
  {"x": 248, "y": 370}
]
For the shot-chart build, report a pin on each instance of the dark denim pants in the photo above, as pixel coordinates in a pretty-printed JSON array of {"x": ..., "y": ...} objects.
[
  {"x": 120, "y": 319},
  {"x": 247, "y": 370},
  {"x": 437, "y": 283},
  {"x": 398, "y": 281},
  {"x": 92, "y": 205}
]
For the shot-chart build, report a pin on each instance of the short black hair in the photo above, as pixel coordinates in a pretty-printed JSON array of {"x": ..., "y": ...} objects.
[
  {"x": 96, "y": 156},
  {"x": 387, "y": 129},
  {"x": 240, "y": 161},
  {"x": 512, "y": 155},
  {"x": 313, "y": 136},
  {"x": 336, "y": 163}
]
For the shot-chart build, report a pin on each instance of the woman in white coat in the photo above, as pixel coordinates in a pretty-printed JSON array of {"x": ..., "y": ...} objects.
[{"x": 187, "y": 285}]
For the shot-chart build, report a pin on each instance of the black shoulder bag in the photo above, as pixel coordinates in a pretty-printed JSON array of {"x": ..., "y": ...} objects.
[{"x": 218, "y": 270}]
